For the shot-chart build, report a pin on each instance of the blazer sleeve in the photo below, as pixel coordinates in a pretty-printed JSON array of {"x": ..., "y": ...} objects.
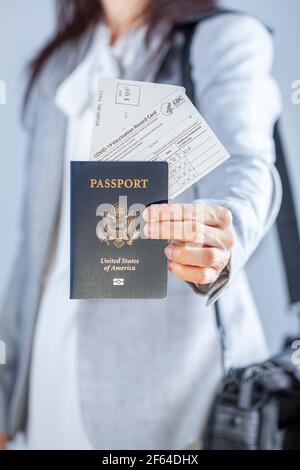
[
  {"x": 11, "y": 301},
  {"x": 232, "y": 58}
]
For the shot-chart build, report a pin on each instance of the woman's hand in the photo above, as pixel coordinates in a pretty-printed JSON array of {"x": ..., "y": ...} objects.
[
  {"x": 202, "y": 238},
  {"x": 3, "y": 441}
]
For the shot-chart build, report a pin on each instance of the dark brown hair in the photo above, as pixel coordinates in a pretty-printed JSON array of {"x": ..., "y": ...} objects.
[{"x": 74, "y": 17}]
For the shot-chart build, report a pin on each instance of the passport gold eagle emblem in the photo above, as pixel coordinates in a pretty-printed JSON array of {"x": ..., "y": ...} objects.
[{"x": 118, "y": 226}]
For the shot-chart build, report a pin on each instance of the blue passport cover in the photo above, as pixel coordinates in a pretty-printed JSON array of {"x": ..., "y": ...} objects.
[{"x": 109, "y": 259}]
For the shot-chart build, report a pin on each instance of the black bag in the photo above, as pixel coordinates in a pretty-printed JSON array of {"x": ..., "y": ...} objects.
[{"x": 257, "y": 407}]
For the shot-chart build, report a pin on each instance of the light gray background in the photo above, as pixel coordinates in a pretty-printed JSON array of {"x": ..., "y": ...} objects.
[{"x": 25, "y": 24}]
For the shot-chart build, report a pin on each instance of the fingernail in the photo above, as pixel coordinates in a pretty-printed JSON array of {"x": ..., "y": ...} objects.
[
  {"x": 145, "y": 214},
  {"x": 168, "y": 251},
  {"x": 146, "y": 230},
  {"x": 152, "y": 230}
]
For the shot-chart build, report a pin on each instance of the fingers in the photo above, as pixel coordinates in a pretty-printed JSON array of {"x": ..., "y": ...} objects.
[
  {"x": 183, "y": 231},
  {"x": 190, "y": 232},
  {"x": 193, "y": 274},
  {"x": 203, "y": 235},
  {"x": 192, "y": 255},
  {"x": 214, "y": 216}
]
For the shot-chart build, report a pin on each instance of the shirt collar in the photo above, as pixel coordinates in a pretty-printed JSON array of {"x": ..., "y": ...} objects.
[
  {"x": 78, "y": 90},
  {"x": 72, "y": 95}
]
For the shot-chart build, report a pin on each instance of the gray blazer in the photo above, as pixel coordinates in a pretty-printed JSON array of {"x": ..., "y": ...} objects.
[{"x": 231, "y": 60}]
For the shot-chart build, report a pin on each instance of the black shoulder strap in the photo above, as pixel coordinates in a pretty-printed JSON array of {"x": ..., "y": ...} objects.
[
  {"x": 287, "y": 224},
  {"x": 206, "y": 14},
  {"x": 287, "y": 220}
]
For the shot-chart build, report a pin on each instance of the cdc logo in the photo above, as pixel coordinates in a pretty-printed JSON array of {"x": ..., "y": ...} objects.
[{"x": 178, "y": 101}]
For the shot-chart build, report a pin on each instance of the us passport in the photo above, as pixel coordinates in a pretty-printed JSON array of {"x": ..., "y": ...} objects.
[{"x": 110, "y": 256}]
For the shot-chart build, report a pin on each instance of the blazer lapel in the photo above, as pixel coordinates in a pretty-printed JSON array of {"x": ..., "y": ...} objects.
[{"x": 47, "y": 157}]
